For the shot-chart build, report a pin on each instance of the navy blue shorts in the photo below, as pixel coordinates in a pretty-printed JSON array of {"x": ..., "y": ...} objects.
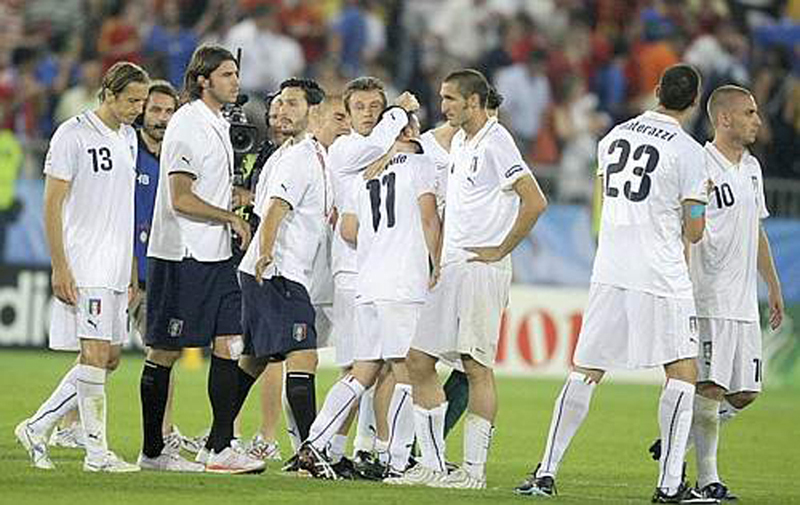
[
  {"x": 190, "y": 302},
  {"x": 277, "y": 318}
]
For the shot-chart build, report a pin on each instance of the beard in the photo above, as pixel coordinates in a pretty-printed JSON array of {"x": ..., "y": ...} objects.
[{"x": 155, "y": 132}]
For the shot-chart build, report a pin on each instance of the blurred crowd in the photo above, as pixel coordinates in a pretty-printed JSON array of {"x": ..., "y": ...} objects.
[{"x": 568, "y": 69}]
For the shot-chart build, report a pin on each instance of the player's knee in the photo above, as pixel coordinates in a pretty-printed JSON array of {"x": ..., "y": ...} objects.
[
  {"x": 742, "y": 399},
  {"x": 95, "y": 353},
  {"x": 420, "y": 364},
  {"x": 113, "y": 363},
  {"x": 163, "y": 357},
  {"x": 229, "y": 347},
  {"x": 710, "y": 390},
  {"x": 594, "y": 375},
  {"x": 302, "y": 361},
  {"x": 475, "y": 371},
  {"x": 684, "y": 370}
]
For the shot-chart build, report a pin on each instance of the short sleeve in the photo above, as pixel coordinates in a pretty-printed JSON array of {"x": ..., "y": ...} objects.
[
  {"x": 693, "y": 172},
  {"x": 181, "y": 156},
  {"x": 290, "y": 178},
  {"x": 424, "y": 175},
  {"x": 758, "y": 182},
  {"x": 601, "y": 156},
  {"x": 350, "y": 200},
  {"x": 505, "y": 159},
  {"x": 62, "y": 158}
]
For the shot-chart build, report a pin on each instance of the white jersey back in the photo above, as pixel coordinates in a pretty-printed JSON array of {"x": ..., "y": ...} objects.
[
  {"x": 392, "y": 255},
  {"x": 441, "y": 162},
  {"x": 100, "y": 165},
  {"x": 724, "y": 264},
  {"x": 197, "y": 142},
  {"x": 298, "y": 177},
  {"x": 649, "y": 167},
  {"x": 481, "y": 203},
  {"x": 349, "y": 155}
]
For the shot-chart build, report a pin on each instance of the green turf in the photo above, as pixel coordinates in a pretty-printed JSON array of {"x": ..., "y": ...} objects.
[{"x": 759, "y": 457}]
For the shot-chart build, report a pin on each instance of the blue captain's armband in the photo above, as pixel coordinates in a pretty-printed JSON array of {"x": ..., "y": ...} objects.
[{"x": 697, "y": 211}]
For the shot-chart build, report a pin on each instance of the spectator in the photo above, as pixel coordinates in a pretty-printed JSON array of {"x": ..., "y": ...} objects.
[
  {"x": 83, "y": 95},
  {"x": 119, "y": 38},
  {"x": 303, "y": 21},
  {"x": 171, "y": 44},
  {"x": 350, "y": 37},
  {"x": 527, "y": 96}
]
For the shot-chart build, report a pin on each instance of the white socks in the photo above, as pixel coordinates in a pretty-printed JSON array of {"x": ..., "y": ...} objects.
[
  {"x": 429, "y": 427},
  {"x": 341, "y": 398},
  {"x": 401, "y": 427},
  {"x": 705, "y": 427},
  {"x": 336, "y": 448},
  {"x": 366, "y": 429},
  {"x": 478, "y": 434},
  {"x": 63, "y": 399},
  {"x": 675, "y": 421},
  {"x": 569, "y": 411},
  {"x": 727, "y": 411},
  {"x": 91, "y": 390}
]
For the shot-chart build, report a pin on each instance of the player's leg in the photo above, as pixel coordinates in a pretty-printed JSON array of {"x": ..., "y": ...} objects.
[
  {"x": 675, "y": 421},
  {"x": 430, "y": 406},
  {"x": 456, "y": 390},
  {"x": 400, "y": 419},
  {"x": 264, "y": 445},
  {"x": 301, "y": 368},
  {"x": 384, "y": 390}
]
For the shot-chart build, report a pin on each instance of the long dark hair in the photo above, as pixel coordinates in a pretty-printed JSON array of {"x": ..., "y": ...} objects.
[{"x": 205, "y": 60}]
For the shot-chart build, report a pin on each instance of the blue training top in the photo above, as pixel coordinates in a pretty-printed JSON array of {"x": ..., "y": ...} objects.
[{"x": 146, "y": 184}]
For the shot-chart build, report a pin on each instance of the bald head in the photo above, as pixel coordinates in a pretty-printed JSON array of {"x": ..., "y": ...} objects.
[{"x": 330, "y": 119}]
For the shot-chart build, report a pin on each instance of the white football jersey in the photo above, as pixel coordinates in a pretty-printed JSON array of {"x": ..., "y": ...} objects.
[
  {"x": 100, "y": 165},
  {"x": 392, "y": 255},
  {"x": 299, "y": 178},
  {"x": 349, "y": 155},
  {"x": 197, "y": 142},
  {"x": 724, "y": 264},
  {"x": 650, "y": 166},
  {"x": 441, "y": 161},
  {"x": 481, "y": 203}
]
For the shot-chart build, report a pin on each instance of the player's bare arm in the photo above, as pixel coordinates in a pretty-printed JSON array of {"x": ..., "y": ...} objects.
[
  {"x": 55, "y": 192},
  {"x": 694, "y": 220},
  {"x": 349, "y": 228},
  {"x": 532, "y": 204},
  {"x": 185, "y": 201},
  {"x": 276, "y": 212},
  {"x": 431, "y": 228},
  {"x": 133, "y": 287},
  {"x": 766, "y": 269}
]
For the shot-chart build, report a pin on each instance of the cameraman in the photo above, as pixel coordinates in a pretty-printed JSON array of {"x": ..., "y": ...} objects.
[{"x": 192, "y": 294}]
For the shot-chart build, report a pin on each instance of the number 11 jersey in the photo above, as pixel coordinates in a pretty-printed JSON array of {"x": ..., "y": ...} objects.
[
  {"x": 391, "y": 252},
  {"x": 650, "y": 166}
]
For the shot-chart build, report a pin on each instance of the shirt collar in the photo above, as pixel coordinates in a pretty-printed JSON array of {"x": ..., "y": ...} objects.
[
  {"x": 474, "y": 141},
  {"x": 215, "y": 117},
  {"x": 722, "y": 160},
  {"x": 101, "y": 127},
  {"x": 657, "y": 116}
]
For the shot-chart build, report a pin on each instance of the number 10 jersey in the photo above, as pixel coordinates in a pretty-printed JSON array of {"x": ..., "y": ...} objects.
[{"x": 650, "y": 166}]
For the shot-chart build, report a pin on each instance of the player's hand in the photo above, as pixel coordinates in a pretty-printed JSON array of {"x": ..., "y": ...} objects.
[
  {"x": 378, "y": 166},
  {"x": 241, "y": 197},
  {"x": 63, "y": 284},
  {"x": 261, "y": 266},
  {"x": 485, "y": 254},
  {"x": 435, "y": 274},
  {"x": 775, "y": 299},
  {"x": 242, "y": 230},
  {"x": 408, "y": 102}
]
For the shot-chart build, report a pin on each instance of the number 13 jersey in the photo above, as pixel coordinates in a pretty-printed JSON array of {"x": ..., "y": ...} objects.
[
  {"x": 650, "y": 166},
  {"x": 100, "y": 165}
]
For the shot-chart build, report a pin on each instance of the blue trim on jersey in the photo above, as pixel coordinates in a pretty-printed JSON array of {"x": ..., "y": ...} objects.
[{"x": 146, "y": 184}]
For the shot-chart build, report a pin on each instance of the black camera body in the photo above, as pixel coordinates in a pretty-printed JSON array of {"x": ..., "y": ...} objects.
[{"x": 244, "y": 136}]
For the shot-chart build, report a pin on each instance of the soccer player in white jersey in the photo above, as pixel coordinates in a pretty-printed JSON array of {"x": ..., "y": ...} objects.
[
  {"x": 364, "y": 99},
  {"x": 436, "y": 143},
  {"x": 393, "y": 221},
  {"x": 641, "y": 312},
  {"x": 724, "y": 268},
  {"x": 90, "y": 172},
  {"x": 275, "y": 273},
  {"x": 492, "y": 202},
  {"x": 193, "y": 297}
]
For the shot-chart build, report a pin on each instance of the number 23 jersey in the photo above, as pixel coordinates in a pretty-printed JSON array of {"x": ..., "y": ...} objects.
[
  {"x": 100, "y": 165},
  {"x": 650, "y": 166},
  {"x": 724, "y": 265}
]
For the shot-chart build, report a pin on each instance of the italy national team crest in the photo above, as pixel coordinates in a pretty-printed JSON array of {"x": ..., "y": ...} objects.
[
  {"x": 299, "y": 331},
  {"x": 175, "y": 327},
  {"x": 94, "y": 307}
]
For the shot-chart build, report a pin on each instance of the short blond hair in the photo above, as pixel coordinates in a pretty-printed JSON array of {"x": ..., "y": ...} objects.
[{"x": 721, "y": 98}]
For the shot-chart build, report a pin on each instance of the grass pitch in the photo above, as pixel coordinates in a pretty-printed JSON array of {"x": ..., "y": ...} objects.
[{"x": 607, "y": 463}]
